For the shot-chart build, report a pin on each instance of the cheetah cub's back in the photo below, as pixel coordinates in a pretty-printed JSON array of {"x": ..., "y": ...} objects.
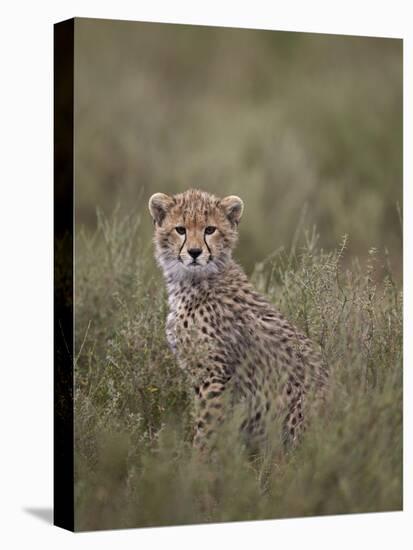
[{"x": 231, "y": 340}]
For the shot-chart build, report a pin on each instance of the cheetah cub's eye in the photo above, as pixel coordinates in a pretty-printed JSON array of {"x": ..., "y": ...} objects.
[
  {"x": 209, "y": 230},
  {"x": 180, "y": 230}
]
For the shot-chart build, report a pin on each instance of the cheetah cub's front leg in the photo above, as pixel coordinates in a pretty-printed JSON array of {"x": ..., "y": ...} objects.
[{"x": 209, "y": 407}]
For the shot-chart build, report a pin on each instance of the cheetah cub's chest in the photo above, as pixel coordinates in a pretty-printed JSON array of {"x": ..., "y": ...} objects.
[{"x": 192, "y": 322}]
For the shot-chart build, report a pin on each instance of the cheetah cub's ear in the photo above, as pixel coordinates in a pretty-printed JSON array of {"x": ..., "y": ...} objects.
[
  {"x": 158, "y": 206},
  {"x": 233, "y": 207}
]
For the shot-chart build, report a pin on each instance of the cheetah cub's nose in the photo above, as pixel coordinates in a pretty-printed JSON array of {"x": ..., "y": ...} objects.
[{"x": 194, "y": 252}]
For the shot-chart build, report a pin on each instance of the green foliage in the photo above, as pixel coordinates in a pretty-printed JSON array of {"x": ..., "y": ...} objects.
[
  {"x": 307, "y": 129},
  {"x": 133, "y": 426}
]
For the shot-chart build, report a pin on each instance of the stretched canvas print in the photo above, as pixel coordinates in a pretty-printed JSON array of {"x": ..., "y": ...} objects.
[{"x": 228, "y": 274}]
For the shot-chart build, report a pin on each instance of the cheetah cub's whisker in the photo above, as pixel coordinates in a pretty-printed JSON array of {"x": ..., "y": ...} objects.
[{"x": 236, "y": 346}]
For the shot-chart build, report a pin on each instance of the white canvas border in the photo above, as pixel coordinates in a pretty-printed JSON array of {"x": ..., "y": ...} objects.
[{"x": 26, "y": 269}]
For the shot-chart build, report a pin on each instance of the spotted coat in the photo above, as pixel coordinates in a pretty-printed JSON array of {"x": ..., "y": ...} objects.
[{"x": 235, "y": 346}]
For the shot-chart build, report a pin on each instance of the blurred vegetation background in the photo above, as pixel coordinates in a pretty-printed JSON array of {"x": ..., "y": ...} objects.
[
  {"x": 292, "y": 122},
  {"x": 307, "y": 129}
]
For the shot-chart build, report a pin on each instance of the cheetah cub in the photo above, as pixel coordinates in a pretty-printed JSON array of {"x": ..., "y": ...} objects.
[{"x": 236, "y": 347}]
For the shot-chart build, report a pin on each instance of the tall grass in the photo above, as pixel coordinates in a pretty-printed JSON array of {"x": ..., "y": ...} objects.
[{"x": 134, "y": 462}]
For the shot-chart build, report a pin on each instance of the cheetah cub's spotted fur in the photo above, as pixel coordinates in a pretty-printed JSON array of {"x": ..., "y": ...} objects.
[{"x": 235, "y": 345}]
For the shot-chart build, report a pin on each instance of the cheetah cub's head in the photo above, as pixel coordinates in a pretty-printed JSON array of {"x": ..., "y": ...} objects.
[{"x": 195, "y": 232}]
